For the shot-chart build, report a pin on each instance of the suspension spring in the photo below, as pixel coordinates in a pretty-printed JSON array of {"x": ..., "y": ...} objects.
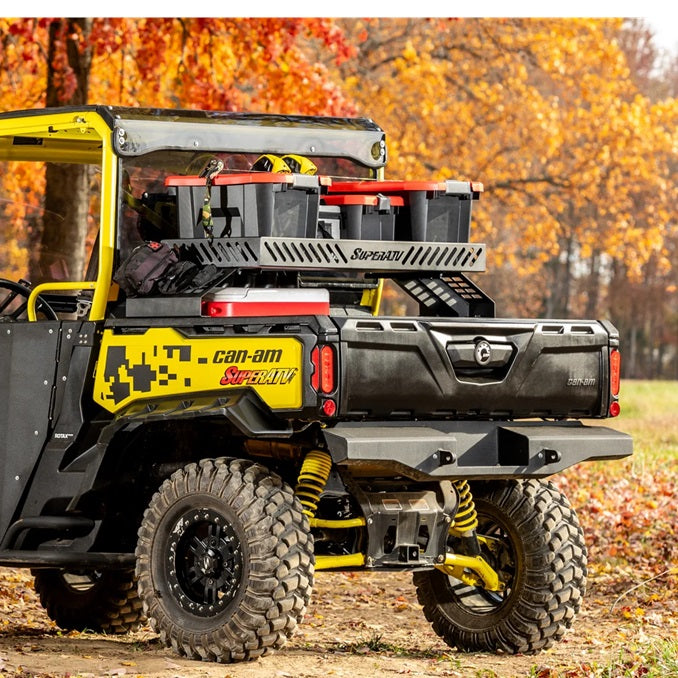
[
  {"x": 466, "y": 518},
  {"x": 315, "y": 470}
]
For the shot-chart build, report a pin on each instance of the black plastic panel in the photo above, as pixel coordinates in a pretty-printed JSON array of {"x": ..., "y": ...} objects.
[
  {"x": 459, "y": 368},
  {"x": 27, "y": 367}
]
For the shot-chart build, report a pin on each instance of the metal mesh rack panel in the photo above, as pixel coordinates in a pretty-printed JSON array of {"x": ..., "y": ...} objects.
[{"x": 329, "y": 254}]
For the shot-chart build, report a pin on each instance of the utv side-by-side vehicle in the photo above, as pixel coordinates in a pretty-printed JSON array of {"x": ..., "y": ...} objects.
[{"x": 213, "y": 408}]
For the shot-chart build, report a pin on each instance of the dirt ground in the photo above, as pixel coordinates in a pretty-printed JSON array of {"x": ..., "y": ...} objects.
[{"x": 358, "y": 624}]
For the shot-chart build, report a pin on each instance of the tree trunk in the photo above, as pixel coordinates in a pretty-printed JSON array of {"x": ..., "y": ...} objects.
[
  {"x": 60, "y": 250},
  {"x": 593, "y": 285}
]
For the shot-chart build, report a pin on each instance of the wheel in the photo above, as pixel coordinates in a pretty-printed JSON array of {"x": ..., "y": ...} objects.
[
  {"x": 97, "y": 601},
  {"x": 536, "y": 545},
  {"x": 14, "y": 301},
  {"x": 224, "y": 561}
]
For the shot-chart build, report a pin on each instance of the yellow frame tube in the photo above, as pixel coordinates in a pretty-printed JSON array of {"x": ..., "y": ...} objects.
[
  {"x": 339, "y": 524},
  {"x": 455, "y": 564},
  {"x": 372, "y": 298},
  {"x": 38, "y": 289},
  {"x": 376, "y": 301},
  {"x": 87, "y": 124},
  {"x": 333, "y": 562}
]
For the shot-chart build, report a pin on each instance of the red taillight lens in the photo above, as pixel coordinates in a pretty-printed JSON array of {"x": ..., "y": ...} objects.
[
  {"x": 323, "y": 377},
  {"x": 315, "y": 377},
  {"x": 330, "y": 407},
  {"x": 615, "y": 371},
  {"x": 327, "y": 369},
  {"x": 615, "y": 409}
]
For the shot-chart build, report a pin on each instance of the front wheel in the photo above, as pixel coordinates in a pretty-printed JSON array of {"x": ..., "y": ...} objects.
[
  {"x": 224, "y": 561},
  {"x": 530, "y": 535}
]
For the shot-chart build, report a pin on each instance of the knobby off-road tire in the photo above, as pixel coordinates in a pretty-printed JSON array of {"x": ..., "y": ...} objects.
[
  {"x": 541, "y": 555},
  {"x": 224, "y": 561},
  {"x": 104, "y": 601}
]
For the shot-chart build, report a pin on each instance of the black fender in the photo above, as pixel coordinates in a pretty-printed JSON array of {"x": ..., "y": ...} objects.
[{"x": 243, "y": 408}]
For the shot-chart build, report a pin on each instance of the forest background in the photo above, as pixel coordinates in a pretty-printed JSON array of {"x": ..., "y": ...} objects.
[{"x": 570, "y": 124}]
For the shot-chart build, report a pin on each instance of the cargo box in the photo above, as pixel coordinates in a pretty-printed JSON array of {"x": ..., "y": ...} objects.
[
  {"x": 249, "y": 205},
  {"x": 423, "y": 211},
  {"x": 298, "y": 206},
  {"x": 238, "y": 302},
  {"x": 365, "y": 217}
]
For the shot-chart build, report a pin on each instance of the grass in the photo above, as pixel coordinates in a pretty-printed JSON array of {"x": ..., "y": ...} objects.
[
  {"x": 657, "y": 659},
  {"x": 374, "y": 643},
  {"x": 649, "y": 413}
]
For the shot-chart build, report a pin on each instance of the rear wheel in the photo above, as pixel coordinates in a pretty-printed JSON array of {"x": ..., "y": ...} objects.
[
  {"x": 535, "y": 544},
  {"x": 96, "y": 601},
  {"x": 224, "y": 561}
]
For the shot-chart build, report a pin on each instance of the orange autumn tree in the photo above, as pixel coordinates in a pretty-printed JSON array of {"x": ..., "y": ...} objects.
[
  {"x": 575, "y": 162},
  {"x": 215, "y": 64},
  {"x": 219, "y": 64}
]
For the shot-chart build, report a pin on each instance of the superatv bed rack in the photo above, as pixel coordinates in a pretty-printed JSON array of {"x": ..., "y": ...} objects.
[
  {"x": 317, "y": 254},
  {"x": 291, "y": 221}
]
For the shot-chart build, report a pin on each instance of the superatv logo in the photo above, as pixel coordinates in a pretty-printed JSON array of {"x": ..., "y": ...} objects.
[
  {"x": 233, "y": 375},
  {"x": 359, "y": 254}
]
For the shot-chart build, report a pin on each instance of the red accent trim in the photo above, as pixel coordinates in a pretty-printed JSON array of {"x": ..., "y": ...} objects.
[
  {"x": 179, "y": 180},
  {"x": 252, "y": 178},
  {"x": 240, "y": 309},
  {"x": 385, "y": 186},
  {"x": 395, "y": 200},
  {"x": 230, "y": 179}
]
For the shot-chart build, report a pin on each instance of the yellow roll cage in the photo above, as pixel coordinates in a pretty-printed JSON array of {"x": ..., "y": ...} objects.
[{"x": 81, "y": 137}]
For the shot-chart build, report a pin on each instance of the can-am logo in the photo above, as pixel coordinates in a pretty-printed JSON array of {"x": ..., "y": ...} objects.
[
  {"x": 359, "y": 254},
  {"x": 581, "y": 381}
]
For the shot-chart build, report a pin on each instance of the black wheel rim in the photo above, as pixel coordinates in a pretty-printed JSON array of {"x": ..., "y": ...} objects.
[
  {"x": 499, "y": 552},
  {"x": 206, "y": 562}
]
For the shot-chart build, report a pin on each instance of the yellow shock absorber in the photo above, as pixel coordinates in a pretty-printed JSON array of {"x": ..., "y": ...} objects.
[
  {"x": 466, "y": 518},
  {"x": 315, "y": 470}
]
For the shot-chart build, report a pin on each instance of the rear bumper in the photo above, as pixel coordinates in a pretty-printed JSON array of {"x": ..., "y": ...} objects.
[{"x": 471, "y": 449}]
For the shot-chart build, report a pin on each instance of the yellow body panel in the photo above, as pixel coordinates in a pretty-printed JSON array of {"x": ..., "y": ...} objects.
[{"x": 162, "y": 363}]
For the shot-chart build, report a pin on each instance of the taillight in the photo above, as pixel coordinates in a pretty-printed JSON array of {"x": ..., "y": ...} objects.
[
  {"x": 323, "y": 379},
  {"x": 615, "y": 371},
  {"x": 615, "y": 380},
  {"x": 327, "y": 369},
  {"x": 330, "y": 407}
]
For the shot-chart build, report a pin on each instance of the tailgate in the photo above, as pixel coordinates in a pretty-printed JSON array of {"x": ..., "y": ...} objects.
[{"x": 474, "y": 368}]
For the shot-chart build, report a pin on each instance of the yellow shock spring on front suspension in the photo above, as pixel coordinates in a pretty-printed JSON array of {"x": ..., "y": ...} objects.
[
  {"x": 315, "y": 470},
  {"x": 466, "y": 518}
]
